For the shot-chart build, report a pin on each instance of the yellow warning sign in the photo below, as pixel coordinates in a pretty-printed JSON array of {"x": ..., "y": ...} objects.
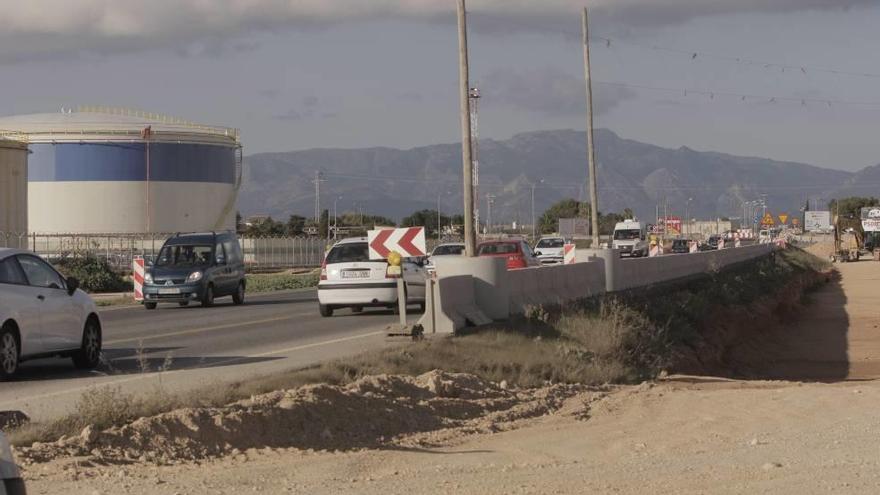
[
  {"x": 768, "y": 219},
  {"x": 783, "y": 218}
]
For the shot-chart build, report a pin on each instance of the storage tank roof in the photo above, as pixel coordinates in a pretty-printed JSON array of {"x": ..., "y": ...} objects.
[{"x": 103, "y": 123}]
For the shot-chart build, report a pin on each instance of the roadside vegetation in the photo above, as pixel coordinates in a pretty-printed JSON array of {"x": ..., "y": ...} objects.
[
  {"x": 95, "y": 275},
  {"x": 280, "y": 281},
  {"x": 620, "y": 339}
]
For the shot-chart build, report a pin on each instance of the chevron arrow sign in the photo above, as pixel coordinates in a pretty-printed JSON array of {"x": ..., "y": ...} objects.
[{"x": 409, "y": 242}]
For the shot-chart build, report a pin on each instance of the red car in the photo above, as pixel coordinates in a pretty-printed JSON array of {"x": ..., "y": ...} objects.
[{"x": 518, "y": 253}]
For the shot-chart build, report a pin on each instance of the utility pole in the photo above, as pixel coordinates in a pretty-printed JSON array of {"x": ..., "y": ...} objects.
[
  {"x": 439, "y": 227},
  {"x": 534, "y": 236},
  {"x": 591, "y": 151},
  {"x": 474, "y": 96},
  {"x": 318, "y": 181},
  {"x": 490, "y": 200},
  {"x": 470, "y": 236}
]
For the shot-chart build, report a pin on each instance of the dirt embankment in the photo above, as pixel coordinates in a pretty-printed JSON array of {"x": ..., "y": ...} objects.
[{"x": 373, "y": 412}]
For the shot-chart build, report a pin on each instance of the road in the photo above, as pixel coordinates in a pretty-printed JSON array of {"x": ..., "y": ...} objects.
[{"x": 182, "y": 348}]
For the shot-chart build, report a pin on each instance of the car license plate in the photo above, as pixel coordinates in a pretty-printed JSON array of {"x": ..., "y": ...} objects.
[
  {"x": 356, "y": 274},
  {"x": 169, "y": 291}
]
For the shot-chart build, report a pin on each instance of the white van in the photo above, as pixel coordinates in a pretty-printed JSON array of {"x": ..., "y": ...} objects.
[{"x": 630, "y": 238}]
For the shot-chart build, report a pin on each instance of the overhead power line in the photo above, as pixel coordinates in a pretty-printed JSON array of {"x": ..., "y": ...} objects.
[
  {"x": 699, "y": 54},
  {"x": 712, "y": 94}
]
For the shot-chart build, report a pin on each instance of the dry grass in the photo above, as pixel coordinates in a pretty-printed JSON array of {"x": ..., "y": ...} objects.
[{"x": 614, "y": 340}]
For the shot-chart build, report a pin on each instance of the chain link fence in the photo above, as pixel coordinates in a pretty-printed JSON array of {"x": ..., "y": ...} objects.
[{"x": 260, "y": 253}]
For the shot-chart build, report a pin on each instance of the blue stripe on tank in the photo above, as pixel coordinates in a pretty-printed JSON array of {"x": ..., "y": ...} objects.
[{"x": 169, "y": 162}]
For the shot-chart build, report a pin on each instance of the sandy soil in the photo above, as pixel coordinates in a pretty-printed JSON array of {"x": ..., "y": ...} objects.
[{"x": 815, "y": 432}]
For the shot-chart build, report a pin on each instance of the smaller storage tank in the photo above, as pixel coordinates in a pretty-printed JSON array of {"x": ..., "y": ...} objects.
[{"x": 13, "y": 190}]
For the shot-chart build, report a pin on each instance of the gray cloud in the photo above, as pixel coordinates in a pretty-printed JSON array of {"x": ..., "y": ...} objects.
[
  {"x": 39, "y": 29},
  {"x": 309, "y": 108},
  {"x": 550, "y": 92}
]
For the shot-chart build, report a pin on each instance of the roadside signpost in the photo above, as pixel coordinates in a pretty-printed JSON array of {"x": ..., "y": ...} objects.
[
  {"x": 393, "y": 245},
  {"x": 408, "y": 242},
  {"x": 768, "y": 220},
  {"x": 783, "y": 218}
]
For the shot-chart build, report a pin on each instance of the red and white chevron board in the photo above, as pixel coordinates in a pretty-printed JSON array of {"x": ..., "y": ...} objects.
[
  {"x": 409, "y": 242},
  {"x": 568, "y": 254},
  {"x": 137, "y": 267}
]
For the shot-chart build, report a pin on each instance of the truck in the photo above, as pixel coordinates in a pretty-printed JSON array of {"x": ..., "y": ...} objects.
[
  {"x": 870, "y": 217},
  {"x": 630, "y": 238}
]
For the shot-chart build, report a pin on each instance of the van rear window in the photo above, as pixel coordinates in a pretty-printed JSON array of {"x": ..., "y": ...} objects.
[{"x": 349, "y": 253}]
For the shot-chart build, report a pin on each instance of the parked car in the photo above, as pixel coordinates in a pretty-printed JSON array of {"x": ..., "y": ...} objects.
[
  {"x": 680, "y": 246},
  {"x": 10, "y": 477},
  {"x": 517, "y": 252},
  {"x": 43, "y": 314},
  {"x": 350, "y": 279},
  {"x": 445, "y": 249},
  {"x": 550, "y": 250},
  {"x": 196, "y": 267}
]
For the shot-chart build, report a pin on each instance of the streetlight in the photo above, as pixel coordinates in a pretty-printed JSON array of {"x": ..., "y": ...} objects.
[
  {"x": 534, "y": 222},
  {"x": 687, "y": 217},
  {"x": 335, "y": 219}
]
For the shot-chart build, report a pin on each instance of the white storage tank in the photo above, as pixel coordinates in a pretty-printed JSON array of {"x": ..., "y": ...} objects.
[
  {"x": 104, "y": 170},
  {"x": 13, "y": 190}
]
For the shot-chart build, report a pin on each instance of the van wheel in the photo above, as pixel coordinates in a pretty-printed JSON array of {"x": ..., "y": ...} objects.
[
  {"x": 208, "y": 300},
  {"x": 238, "y": 297},
  {"x": 326, "y": 311},
  {"x": 88, "y": 357},
  {"x": 9, "y": 353},
  {"x": 150, "y": 305}
]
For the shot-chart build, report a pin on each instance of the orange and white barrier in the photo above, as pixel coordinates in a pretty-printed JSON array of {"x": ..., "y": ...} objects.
[
  {"x": 721, "y": 243},
  {"x": 137, "y": 267},
  {"x": 693, "y": 246},
  {"x": 655, "y": 250},
  {"x": 568, "y": 254}
]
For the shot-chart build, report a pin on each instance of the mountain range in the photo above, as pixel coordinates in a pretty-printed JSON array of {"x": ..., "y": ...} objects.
[{"x": 642, "y": 177}]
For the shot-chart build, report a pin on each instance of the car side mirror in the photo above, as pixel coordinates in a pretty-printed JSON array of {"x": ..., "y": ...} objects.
[
  {"x": 537, "y": 253},
  {"x": 72, "y": 285}
]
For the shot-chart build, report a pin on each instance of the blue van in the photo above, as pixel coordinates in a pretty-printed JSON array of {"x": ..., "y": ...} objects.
[{"x": 196, "y": 268}]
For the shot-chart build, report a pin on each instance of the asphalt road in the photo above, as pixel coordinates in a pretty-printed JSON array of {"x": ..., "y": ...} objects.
[{"x": 182, "y": 348}]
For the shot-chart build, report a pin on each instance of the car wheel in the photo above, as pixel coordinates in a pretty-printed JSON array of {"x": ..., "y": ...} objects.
[
  {"x": 150, "y": 305},
  {"x": 238, "y": 297},
  {"x": 326, "y": 310},
  {"x": 183, "y": 303},
  {"x": 208, "y": 300},
  {"x": 357, "y": 309},
  {"x": 88, "y": 357},
  {"x": 9, "y": 353}
]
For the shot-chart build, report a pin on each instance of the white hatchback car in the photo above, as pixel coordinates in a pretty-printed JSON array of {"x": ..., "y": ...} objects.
[
  {"x": 445, "y": 249},
  {"x": 42, "y": 314},
  {"x": 10, "y": 477},
  {"x": 349, "y": 279},
  {"x": 550, "y": 250}
]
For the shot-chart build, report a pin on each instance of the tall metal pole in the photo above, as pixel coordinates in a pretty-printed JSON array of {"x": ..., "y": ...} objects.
[
  {"x": 470, "y": 236},
  {"x": 534, "y": 231},
  {"x": 591, "y": 150},
  {"x": 439, "y": 227}
]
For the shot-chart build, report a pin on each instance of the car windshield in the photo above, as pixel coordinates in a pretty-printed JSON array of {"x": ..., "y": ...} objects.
[
  {"x": 627, "y": 235},
  {"x": 184, "y": 255},
  {"x": 450, "y": 249},
  {"x": 679, "y": 242},
  {"x": 349, "y": 253},
  {"x": 500, "y": 248},
  {"x": 550, "y": 243}
]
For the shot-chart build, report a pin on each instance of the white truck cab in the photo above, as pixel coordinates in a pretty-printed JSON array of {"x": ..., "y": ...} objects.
[{"x": 630, "y": 238}]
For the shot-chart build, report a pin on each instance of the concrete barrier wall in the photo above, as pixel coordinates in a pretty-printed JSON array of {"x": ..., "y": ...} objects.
[{"x": 476, "y": 291}]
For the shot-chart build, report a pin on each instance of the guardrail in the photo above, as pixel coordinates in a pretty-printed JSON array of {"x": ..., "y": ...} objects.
[{"x": 120, "y": 249}]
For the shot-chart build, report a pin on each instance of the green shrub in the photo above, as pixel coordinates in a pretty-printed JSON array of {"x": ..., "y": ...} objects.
[{"x": 94, "y": 274}]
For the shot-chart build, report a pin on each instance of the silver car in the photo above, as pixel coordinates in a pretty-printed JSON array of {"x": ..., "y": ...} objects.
[{"x": 43, "y": 314}]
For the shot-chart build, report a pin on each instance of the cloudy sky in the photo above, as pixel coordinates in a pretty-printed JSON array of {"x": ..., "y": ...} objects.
[{"x": 296, "y": 74}]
